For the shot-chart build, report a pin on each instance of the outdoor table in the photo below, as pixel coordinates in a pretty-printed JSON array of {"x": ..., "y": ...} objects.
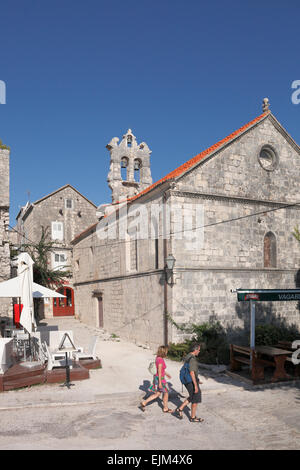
[
  {"x": 279, "y": 356},
  {"x": 67, "y": 352}
]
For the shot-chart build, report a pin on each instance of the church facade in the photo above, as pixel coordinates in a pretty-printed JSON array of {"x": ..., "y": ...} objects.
[{"x": 226, "y": 217}]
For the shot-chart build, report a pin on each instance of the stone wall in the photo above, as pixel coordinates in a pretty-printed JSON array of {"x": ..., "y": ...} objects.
[
  {"x": 204, "y": 295},
  {"x": 230, "y": 187},
  {"x": 52, "y": 208},
  {"x": 241, "y": 202},
  {"x": 130, "y": 284},
  {"x": 5, "y": 304},
  {"x": 129, "y": 311},
  {"x": 236, "y": 171},
  {"x": 4, "y": 178},
  {"x": 47, "y": 210}
]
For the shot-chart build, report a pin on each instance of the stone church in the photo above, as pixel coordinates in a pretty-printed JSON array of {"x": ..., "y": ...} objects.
[{"x": 225, "y": 218}]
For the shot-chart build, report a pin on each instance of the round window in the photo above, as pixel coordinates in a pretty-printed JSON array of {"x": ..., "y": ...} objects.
[{"x": 268, "y": 158}]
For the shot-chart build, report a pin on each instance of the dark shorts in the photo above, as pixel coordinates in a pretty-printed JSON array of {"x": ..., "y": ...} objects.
[{"x": 193, "y": 397}]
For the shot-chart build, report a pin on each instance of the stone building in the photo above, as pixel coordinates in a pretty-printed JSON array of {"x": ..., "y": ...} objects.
[
  {"x": 226, "y": 216},
  {"x": 5, "y": 304},
  {"x": 64, "y": 213}
]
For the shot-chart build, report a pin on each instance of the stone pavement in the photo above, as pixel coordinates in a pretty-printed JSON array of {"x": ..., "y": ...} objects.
[{"x": 102, "y": 412}]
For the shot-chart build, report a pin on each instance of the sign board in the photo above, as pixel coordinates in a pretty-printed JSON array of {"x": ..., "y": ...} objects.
[{"x": 273, "y": 295}]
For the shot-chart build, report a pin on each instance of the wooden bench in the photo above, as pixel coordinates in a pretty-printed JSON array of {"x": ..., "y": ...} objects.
[{"x": 243, "y": 355}]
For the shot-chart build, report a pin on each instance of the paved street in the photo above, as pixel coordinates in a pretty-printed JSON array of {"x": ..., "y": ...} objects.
[{"x": 102, "y": 412}]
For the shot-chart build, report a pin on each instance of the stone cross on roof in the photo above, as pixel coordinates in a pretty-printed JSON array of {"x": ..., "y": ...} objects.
[{"x": 266, "y": 104}]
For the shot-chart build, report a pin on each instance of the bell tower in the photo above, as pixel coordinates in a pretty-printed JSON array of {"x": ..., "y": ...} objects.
[{"x": 129, "y": 171}]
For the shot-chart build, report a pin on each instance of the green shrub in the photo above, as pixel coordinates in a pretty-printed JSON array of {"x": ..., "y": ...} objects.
[
  {"x": 270, "y": 334},
  {"x": 178, "y": 351},
  {"x": 3, "y": 147},
  {"x": 213, "y": 340},
  {"x": 214, "y": 346}
]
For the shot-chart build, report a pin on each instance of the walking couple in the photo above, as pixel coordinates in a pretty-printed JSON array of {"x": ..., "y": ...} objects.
[{"x": 160, "y": 384}]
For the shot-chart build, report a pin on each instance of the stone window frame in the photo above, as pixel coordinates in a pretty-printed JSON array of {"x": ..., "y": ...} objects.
[
  {"x": 269, "y": 149},
  {"x": 270, "y": 250},
  {"x": 66, "y": 203}
]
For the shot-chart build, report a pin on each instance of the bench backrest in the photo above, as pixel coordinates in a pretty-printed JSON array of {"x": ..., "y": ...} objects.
[{"x": 240, "y": 349}]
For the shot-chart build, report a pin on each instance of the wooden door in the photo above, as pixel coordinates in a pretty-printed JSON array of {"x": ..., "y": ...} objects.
[
  {"x": 100, "y": 311},
  {"x": 64, "y": 306}
]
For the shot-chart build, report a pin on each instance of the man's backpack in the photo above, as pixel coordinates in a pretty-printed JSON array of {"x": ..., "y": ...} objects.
[
  {"x": 152, "y": 368},
  {"x": 184, "y": 374}
]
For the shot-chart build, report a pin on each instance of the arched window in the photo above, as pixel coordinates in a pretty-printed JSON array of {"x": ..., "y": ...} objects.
[
  {"x": 124, "y": 165},
  {"x": 137, "y": 168},
  {"x": 270, "y": 255}
]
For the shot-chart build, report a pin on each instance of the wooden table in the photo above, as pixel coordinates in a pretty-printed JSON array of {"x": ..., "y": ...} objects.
[{"x": 279, "y": 356}]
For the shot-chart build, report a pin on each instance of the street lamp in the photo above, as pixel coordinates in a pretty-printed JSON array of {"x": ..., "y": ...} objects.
[{"x": 170, "y": 263}]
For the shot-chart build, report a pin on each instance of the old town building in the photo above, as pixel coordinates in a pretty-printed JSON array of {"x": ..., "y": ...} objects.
[
  {"x": 231, "y": 211},
  {"x": 63, "y": 214}
]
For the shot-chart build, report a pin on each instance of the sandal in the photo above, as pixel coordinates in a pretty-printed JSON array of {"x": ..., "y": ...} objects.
[
  {"x": 196, "y": 420},
  {"x": 179, "y": 413},
  {"x": 142, "y": 406},
  {"x": 168, "y": 410}
]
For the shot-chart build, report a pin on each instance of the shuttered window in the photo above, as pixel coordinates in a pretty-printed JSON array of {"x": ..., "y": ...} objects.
[
  {"x": 59, "y": 261},
  {"x": 57, "y": 231}
]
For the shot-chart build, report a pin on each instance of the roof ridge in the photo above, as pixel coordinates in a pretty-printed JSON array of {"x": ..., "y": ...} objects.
[
  {"x": 197, "y": 158},
  {"x": 60, "y": 189},
  {"x": 185, "y": 166}
]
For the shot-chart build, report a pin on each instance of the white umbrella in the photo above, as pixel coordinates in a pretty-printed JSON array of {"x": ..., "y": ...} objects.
[
  {"x": 25, "y": 271},
  {"x": 12, "y": 288}
]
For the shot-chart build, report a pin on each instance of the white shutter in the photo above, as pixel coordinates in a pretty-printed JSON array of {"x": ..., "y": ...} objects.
[
  {"x": 57, "y": 231},
  {"x": 59, "y": 260}
]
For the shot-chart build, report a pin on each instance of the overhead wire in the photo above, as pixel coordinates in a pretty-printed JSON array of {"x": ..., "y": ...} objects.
[{"x": 194, "y": 229}]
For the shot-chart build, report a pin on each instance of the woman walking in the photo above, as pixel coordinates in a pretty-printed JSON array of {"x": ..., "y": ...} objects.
[{"x": 159, "y": 381}]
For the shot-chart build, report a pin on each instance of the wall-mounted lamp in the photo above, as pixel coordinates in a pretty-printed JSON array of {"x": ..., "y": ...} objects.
[
  {"x": 170, "y": 263},
  {"x": 79, "y": 214},
  {"x": 61, "y": 211}
]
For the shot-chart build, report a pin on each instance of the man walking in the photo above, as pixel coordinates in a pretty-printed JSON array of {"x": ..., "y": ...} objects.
[{"x": 192, "y": 387}]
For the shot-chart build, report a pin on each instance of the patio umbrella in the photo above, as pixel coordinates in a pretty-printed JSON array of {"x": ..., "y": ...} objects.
[
  {"x": 12, "y": 288},
  {"x": 25, "y": 272}
]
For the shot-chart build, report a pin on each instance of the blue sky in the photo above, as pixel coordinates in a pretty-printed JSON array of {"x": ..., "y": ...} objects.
[{"x": 181, "y": 74}]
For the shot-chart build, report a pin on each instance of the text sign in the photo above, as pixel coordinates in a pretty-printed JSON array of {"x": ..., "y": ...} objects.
[{"x": 271, "y": 295}]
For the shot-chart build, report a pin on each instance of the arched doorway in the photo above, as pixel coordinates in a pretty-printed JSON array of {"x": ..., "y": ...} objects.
[{"x": 64, "y": 306}]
